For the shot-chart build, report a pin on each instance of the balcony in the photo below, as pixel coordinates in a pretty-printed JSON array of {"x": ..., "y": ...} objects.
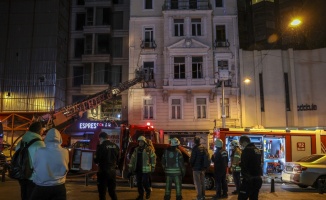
[
  {"x": 91, "y": 3},
  {"x": 187, "y": 5},
  {"x": 220, "y": 43},
  {"x": 148, "y": 45},
  {"x": 97, "y": 29},
  {"x": 87, "y": 58}
]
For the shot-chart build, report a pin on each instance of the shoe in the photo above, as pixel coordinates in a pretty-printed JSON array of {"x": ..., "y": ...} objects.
[
  {"x": 223, "y": 196},
  {"x": 148, "y": 195}
]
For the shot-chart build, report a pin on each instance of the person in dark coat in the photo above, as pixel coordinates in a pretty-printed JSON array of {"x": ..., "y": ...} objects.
[
  {"x": 251, "y": 170},
  {"x": 107, "y": 155},
  {"x": 220, "y": 160},
  {"x": 196, "y": 160}
]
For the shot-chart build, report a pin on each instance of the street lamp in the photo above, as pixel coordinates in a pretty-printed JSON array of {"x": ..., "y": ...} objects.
[{"x": 223, "y": 75}]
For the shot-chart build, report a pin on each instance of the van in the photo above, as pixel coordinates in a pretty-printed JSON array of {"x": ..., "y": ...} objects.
[{"x": 159, "y": 174}]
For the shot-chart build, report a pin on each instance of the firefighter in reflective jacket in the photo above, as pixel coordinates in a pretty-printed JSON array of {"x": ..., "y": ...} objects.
[
  {"x": 235, "y": 164},
  {"x": 173, "y": 165}
]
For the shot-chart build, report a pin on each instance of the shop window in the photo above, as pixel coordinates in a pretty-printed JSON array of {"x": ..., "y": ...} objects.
[
  {"x": 148, "y": 109},
  {"x": 196, "y": 27},
  {"x": 178, "y": 27},
  {"x": 197, "y": 67},
  {"x": 176, "y": 109}
]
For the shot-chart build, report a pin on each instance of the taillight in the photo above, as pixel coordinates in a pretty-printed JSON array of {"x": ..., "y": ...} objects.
[{"x": 298, "y": 168}]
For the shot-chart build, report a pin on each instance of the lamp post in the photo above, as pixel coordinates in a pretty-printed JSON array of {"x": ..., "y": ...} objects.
[{"x": 223, "y": 75}]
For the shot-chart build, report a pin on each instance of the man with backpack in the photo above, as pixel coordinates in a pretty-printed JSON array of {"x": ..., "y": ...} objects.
[
  {"x": 35, "y": 131},
  {"x": 173, "y": 165},
  {"x": 197, "y": 160},
  {"x": 220, "y": 159}
]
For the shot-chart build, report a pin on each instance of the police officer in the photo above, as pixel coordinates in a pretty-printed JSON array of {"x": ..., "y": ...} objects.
[
  {"x": 106, "y": 157},
  {"x": 251, "y": 170},
  {"x": 142, "y": 163},
  {"x": 235, "y": 164},
  {"x": 220, "y": 160},
  {"x": 173, "y": 165}
]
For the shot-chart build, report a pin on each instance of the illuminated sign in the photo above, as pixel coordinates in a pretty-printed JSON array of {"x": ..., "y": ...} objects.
[{"x": 93, "y": 125}]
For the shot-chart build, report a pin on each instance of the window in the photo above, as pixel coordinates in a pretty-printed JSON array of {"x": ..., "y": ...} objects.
[
  {"x": 223, "y": 65},
  {"x": 79, "y": 47},
  {"x": 197, "y": 67},
  {"x": 178, "y": 27},
  {"x": 196, "y": 27},
  {"x": 101, "y": 73},
  {"x": 174, "y": 4},
  {"x": 176, "y": 108},
  {"x": 193, "y": 4},
  {"x": 102, "y": 16},
  {"x": 82, "y": 75},
  {"x": 88, "y": 44},
  {"x": 179, "y": 68},
  {"x": 148, "y": 4},
  {"x": 148, "y": 36},
  {"x": 149, "y": 70},
  {"x": 201, "y": 108},
  {"x": 148, "y": 109},
  {"x": 90, "y": 17},
  {"x": 80, "y": 21},
  {"x": 102, "y": 44},
  {"x": 117, "y": 45},
  {"x": 114, "y": 75},
  {"x": 80, "y": 2},
  {"x": 117, "y": 22},
  {"x": 218, "y": 3},
  {"x": 226, "y": 106},
  {"x": 220, "y": 33}
]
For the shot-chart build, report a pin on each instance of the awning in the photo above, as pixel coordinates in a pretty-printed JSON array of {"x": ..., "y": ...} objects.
[{"x": 190, "y": 132}]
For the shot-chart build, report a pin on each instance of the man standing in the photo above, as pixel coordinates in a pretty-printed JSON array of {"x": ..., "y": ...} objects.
[
  {"x": 220, "y": 159},
  {"x": 173, "y": 165},
  {"x": 235, "y": 165},
  {"x": 142, "y": 163},
  {"x": 35, "y": 131},
  {"x": 251, "y": 170},
  {"x": 197, "y": 162},
  {"x": 107, "y": 154}
]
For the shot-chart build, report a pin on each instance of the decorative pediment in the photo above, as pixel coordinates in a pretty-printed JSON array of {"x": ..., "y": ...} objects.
[{"x": 188, "y": 45}]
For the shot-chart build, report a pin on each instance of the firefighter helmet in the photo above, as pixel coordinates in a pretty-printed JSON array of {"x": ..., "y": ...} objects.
[
  {"x": 218, "y": 143},
  {"x": 175, "y": 142},
  {"x": 235, "y": 143},
  {"x": 142, "y": 138}
]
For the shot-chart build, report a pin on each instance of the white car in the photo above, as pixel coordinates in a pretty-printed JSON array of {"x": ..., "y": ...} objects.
[{"x": 307, "y": 171}]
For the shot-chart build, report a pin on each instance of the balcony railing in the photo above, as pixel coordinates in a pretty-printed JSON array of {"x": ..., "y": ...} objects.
[
  {"x": 148, "y": 45},
  {"x": 187, "y": 5},
  {"x": 219, "y": 43}
]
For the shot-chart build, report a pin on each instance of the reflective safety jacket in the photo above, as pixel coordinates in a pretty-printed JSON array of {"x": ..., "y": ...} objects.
[
  {"x": 148, "y": 160},
  {"x": 235, "y": 159},
  {"x": 172, "y": 162}
]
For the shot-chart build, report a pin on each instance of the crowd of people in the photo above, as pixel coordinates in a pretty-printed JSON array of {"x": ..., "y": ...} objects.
[{"x": 50, "y": 167}]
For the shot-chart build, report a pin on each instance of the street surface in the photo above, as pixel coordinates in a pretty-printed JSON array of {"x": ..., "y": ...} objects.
[{"x": 77, "y": 190}]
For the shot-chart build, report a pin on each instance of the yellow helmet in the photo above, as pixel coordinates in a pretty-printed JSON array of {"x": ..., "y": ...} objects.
[
  {"x": 218, "y": 143},
  {"x": 141, "y": 138},
  {"x": 175, "y": 142}
]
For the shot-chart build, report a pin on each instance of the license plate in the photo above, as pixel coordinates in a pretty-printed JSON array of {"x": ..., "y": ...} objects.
[{"x": 286, "y": 177}]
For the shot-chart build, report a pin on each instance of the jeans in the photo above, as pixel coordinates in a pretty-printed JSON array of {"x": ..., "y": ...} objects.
[
  {"x": 143, "y": 183},
  {"x": 199, "y": 181},
  {"x": 26, "y": 188},
  {"x": 250, "y": 188},
  {"x": 236, "y": 180},
  {"x": 55, "y": 192}
]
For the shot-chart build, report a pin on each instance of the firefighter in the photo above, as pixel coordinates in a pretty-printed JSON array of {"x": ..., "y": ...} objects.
[
  {"x": 220, "y": 160},
  {"x": 251, "y": 170},
  {"x": 235, "y": 165},
  {"x": 173, "y": 165},
  {"x": 142, "y": 163}
]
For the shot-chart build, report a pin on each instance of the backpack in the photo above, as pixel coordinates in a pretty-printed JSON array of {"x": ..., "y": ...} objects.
[
  {"x": 207, "y": 159},
  {"x": 20, "y": 167}
]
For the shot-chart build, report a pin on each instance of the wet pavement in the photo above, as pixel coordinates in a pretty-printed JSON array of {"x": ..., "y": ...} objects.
[{"x": 79, "y": 189}]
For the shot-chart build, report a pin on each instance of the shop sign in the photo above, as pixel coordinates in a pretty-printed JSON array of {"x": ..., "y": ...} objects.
[
  {"x": 301, "y": 146},
  {"x": 306, "y": 107},
  {"x": 93, "y": 125}
]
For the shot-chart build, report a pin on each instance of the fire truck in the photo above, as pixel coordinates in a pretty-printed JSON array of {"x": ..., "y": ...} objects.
[
  {"x": 82, "y": 158},
  {"x": 277, "y": 146}
]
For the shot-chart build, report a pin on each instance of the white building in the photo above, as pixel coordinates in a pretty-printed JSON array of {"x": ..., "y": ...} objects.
[
  {"x": 183, "y": 44},
  {"x": 286, "y": 88}
]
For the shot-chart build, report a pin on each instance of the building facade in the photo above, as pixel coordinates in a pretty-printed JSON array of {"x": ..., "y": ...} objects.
[
  {"x": 184, "y": 45},
  {"x": 98, "y": 54},
  {"x": 286, "y": 88}
]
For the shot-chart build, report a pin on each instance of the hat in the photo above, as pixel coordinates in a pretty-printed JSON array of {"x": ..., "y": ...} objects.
[
  {"x": 175, "y": 142},
  {"x": 218, "y": 143},
  {"x": 103, "y": 135},
  {"x": 142, "y": 138},
  {"x": 235, "y": 143}
]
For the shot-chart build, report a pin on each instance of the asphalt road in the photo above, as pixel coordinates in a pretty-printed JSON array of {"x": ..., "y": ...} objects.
[{"x": 77, "y": 189}]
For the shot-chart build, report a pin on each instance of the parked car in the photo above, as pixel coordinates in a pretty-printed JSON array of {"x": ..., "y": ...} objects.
[
  {"x": 9, "y": 152},
  {"x": 307, "y": 171},
  {"x": 159, "y": 175}
]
